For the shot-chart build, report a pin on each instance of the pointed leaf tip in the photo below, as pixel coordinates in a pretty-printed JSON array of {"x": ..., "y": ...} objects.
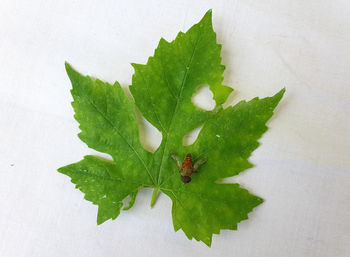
[
  {"x": 67, "y": 66},
  {"x": 278, "y": 96},
  {"x": 207, "y": 15},
  {"x": 70, "y": 71},
  {"x": 282, "y": 91}
]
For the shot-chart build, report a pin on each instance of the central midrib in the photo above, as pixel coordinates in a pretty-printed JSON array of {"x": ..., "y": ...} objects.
[{"x": 187, "y": 68}]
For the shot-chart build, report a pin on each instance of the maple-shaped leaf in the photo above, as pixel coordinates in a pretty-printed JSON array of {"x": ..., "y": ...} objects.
[{"x": 162, "y": 90}]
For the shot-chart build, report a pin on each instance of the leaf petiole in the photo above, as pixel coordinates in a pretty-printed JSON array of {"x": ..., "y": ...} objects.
[{"x": 154, "y": 196}]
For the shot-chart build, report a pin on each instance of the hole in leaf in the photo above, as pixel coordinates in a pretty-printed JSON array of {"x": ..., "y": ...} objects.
[
  {"x": 150, "y": 136},
  {"x": 203, "y": 98},
  {"x": 191, "y": 136}
]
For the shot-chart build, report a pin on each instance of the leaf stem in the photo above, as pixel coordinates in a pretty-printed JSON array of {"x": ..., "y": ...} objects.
[{"x": 154, "y": 196}]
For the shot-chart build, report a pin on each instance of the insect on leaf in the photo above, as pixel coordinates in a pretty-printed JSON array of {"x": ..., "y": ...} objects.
[{"x": 162, "y": 90}]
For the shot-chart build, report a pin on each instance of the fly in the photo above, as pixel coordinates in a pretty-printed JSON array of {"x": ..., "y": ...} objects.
[{"x": 187, "y": 168}]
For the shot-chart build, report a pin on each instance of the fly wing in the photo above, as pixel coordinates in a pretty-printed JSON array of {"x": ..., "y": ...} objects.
[
  {"x": 199, "y": 163},
  {"x": 176, "y": 159}
]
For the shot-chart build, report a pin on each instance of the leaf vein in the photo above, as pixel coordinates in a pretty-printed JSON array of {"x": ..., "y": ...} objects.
[
  {"x": 117, "y": 130},
  {"x": 177, "y": 104}
]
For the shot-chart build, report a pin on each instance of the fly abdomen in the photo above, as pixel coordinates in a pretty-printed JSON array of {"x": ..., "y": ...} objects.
[{"x": 188, "y": 161}]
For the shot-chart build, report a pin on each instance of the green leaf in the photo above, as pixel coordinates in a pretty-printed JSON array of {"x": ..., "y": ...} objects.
[
  {"x": 162, "y": 90},
  {"x": 92, "y": 176}
]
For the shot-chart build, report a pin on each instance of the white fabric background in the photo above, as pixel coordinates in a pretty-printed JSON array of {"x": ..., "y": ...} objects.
[{"x": 302, "y": 167}]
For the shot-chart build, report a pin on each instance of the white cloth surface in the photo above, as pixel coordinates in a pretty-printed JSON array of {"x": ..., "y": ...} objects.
[{"x": 302, "y": 166}]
